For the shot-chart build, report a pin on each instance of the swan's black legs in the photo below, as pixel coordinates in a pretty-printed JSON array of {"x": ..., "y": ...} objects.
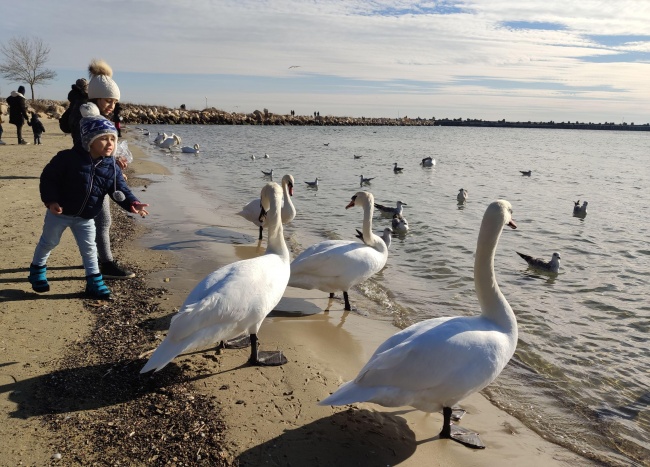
[
  {"x": 261, "y": 230},
  {"x": 264, "y": 358},
  {"x": 458, "y": 434},
  {"x": 347, "y": 302}
]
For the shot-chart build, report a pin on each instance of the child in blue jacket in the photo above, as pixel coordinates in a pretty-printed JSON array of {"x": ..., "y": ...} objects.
[{"x": 73, "y": 186}]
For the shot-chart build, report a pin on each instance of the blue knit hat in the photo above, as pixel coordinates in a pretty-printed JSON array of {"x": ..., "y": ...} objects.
[{"x": 93, "y": 125}]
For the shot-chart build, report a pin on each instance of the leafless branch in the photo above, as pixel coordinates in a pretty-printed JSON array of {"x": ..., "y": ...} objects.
[{"x": 24, "y": 61}]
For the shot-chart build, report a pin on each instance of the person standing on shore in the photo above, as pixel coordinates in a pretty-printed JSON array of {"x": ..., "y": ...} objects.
[
  {"x": 1, "y": 130},
  {"x": 117, "y": 118},
  {"x": 104, "y": 93},
  {"x": 18, "y": 111},
  {"x": 73, "y": 187},
  {"x": 37, "y": 128}
]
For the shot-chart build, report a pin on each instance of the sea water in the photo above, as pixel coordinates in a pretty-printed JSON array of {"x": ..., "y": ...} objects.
[{"x": 581, "y": 372}]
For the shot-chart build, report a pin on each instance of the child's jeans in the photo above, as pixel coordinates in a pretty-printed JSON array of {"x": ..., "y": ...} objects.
[{"x": 83, "y": 231}]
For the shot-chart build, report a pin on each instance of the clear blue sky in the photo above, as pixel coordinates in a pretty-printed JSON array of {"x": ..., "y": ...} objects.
[{"x": 536, "y": 60}]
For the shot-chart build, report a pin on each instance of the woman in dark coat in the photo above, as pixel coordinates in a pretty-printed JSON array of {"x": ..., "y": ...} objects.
[{"x": 18, "y": 111}]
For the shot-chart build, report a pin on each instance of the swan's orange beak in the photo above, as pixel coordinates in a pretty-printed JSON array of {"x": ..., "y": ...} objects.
[{"x": 512, "y": 224}]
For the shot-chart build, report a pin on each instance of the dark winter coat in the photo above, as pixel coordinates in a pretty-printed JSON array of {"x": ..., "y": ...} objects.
[
  {"x": 37, "y": 125},
  {"x": 79, "y": 184},
  {"x": 17, "y": 109},
  {"x": 77, "y": 98}
]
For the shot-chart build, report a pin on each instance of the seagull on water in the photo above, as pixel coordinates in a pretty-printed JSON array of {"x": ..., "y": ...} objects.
[
  {"x": 549, "y": 266},
  {"x": 269, "y": 173},
  {"x": 580, "y": 211},
  {"x": 526, "y": 173},
  {"x": 357, "y": 157},
  {"x": 313, "y": 184},
  {"x": 397, "y": 170},
  {"x": 461, "y": 196},
  {"x": 391, "y": 211},
  {"x": 365, "y": 181},
  {"x": 428, "y": 162}
]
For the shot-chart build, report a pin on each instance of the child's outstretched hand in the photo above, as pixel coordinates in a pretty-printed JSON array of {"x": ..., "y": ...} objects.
[
  {"x": 139, "y": 208},
  {"x": 55, "y": 208}
]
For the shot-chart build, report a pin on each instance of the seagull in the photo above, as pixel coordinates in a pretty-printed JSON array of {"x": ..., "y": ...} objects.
[
  {"x": 428, "y": 162},
  {"x": 326, "y": 144},
  {"x": 386, "y": 236},
  {"x": 461, "y": 196},
  {"x": 313, "y": 184},
  {"x": 268, "y": 174},
  {"x": 526, "y": 173},
  {"x": 294, "y": 66},
  {"x": 400, "y": 225},
  {"x": 391, "y": 211},
  {"x": 357, "y": 157},
  {"x": 266, "y": 156},
  {"x": 253, "y": 156},
  {"x": 549, "y": 266},
  {"x": 365, "y": 181},
  {"x": 580, "y": 211},
  {"x": 397, "y": 170}
]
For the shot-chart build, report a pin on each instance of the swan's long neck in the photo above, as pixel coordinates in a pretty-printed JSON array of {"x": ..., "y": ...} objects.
[
  {"x": 276, "y": 244},
  {"x": 494, "y": 305},
  {"x": 288, "y": 207},
  {"x": 374, "y": 241}
]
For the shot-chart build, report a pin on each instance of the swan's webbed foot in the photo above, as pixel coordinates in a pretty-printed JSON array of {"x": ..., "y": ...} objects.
[
  {"x": 457, "y": 413},
  {"x": 264, "y": 358},
  {"x": 465, "y": 437},
  {"x": 240, "y": 342}
]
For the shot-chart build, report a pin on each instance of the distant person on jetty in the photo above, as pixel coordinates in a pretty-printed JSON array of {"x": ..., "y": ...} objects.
[
  {"x": 37, "y": 127},
  {"x": 18, "y": 111},
  {"x": 73, "y": 187}
]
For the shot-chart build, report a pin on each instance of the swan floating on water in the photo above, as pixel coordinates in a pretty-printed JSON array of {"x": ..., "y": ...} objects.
[
  {"x": 191, "y": 149},
  {"x": 391, "y": 211},
  {"x": 313, "y": 184},
  {"x": 549, "y": 266},
  {"x": 397, "y": 170},
  {"x": 580, "y": 211},
  {"x": 335, "y": 265},
  {"x": 168, "y": 141},
  {"x": 234, "y": 299},
  {"x": 428, "y": 162},
  {"x": 251, "y": 211},
  {"x": 461, "y": 196},
  {"x": 436, "y": 363}
]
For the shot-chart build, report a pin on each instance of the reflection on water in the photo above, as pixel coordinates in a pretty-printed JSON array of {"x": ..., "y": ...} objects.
[{"x": 581, "y": 368}]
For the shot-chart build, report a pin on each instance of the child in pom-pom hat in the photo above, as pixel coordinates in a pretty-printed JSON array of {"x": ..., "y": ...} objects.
[{"x": 73, "y": 187}]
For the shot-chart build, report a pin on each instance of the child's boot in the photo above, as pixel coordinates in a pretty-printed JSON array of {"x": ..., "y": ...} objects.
[
  {"x": 95, "y": 287},
  {"x": 37, "y": 277}
]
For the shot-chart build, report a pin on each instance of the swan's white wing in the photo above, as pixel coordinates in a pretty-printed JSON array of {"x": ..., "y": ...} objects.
[{"x": 251, "y": 212}]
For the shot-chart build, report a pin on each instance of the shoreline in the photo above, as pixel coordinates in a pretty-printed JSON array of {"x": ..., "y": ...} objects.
[{"x": 262, "y": 415}]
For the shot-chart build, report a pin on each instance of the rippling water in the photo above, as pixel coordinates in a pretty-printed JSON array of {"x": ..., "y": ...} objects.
[{"x": 580, "y": 375}]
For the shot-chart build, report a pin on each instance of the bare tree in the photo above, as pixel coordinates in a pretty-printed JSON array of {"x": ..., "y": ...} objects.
[{"x": 24, "y": 61}]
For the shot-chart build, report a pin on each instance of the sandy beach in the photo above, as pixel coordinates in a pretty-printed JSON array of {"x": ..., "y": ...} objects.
[{"x": 205, "y": 408}]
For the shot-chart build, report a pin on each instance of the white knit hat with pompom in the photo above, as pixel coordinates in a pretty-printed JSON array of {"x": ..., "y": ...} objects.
[{"x": 101, "y": 84}]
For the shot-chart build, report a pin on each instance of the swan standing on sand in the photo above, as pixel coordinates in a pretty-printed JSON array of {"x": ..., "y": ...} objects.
[
  {"x": 335, "y": 265},
  {"x": 391, "y": 211},
  {"x": 436, "y": 363},
  {"x": 428, "y": 162},
  {"x": 549, "y": 266},
  {"x": 251, "y": 211},
  {"x": 191, "y": 150},
  {"x": 461, "y": 196},
  {"x": 234, "y": 299}
]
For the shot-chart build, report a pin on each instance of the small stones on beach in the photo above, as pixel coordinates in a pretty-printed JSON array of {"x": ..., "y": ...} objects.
[{"x": 57, "y": 456}]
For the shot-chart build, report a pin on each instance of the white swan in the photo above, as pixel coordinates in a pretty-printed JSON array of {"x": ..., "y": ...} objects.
[
  {"x": 549, "y": 266},
  {"x": 234, "y": 299},
  {"x": 191, "y": 149},
  {"x": 387, "y": 210},
  {"x": 400, "y": 224},
  {"x": 251, "y": 211},
  {"x": 461, "y": 196},
  {"x": 169, "y": 141},
  {"x": 335, "y": 265},
  {"x": 436, "y": 363},
  {"x": 428, "y": 162}
]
